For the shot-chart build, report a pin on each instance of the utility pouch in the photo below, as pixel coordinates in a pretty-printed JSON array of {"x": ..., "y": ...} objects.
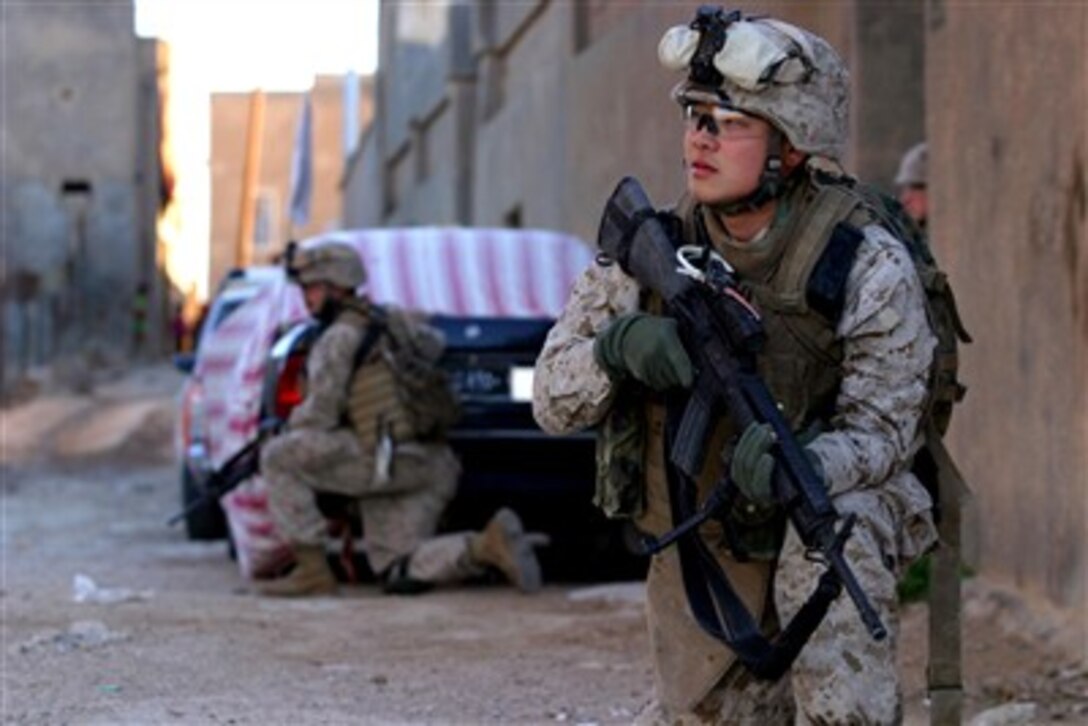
[
  {"x": 621, "y": 440},
  {"x": 754, "y": 531},
  {"x": 383, "y": 454}
]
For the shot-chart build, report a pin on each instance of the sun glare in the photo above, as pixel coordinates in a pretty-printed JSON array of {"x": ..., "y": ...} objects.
[
  {"x": 218, "y": 46},
  {"x": 277, "y": 45}
]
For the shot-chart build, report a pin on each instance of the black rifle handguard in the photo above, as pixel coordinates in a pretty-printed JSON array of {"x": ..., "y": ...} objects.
[{"x": 243, "y": 464}]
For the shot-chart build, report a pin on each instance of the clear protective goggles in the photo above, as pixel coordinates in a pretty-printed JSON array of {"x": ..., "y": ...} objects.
[
  {"x": 756, "y": 53},
  {"x": 720, "y": 122}
]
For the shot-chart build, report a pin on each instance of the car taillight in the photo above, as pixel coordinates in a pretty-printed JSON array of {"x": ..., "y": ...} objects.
[{"x": 289, "y": 386}]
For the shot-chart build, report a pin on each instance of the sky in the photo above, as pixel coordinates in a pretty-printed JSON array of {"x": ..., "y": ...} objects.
[
  {"x": 239, "y": 46},
  {"x": 236, "y": 45}
]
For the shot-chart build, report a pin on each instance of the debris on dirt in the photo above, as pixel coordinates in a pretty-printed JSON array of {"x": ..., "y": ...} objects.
[
  {"x": 81, "y": 635},
  {"x": 204, "y": 651},
  {"x": 84, "y": 589},
  {"x": 1006, "y": 715},
  {"x": 633, "y": 593}
]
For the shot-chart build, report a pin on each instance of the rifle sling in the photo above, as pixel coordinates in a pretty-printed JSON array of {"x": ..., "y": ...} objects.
[
  {"x": 713, "y": 601},
  {"x": 370, "y": 339}
]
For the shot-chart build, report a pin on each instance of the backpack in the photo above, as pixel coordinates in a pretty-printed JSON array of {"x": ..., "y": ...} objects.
[
  {"x": 409, "y": 350},
  {"x": 945, "y": 387},
  {"x": 932, "y": 464}
]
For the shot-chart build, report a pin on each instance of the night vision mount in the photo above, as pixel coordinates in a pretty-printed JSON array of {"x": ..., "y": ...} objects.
[{"x": 711, "y": 22}]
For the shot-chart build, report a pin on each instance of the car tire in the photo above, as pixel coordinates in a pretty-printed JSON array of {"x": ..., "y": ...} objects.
[{"x": 205, "y": 522}]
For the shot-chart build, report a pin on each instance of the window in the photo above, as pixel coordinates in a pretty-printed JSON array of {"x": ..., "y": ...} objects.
[
  {"x": 512, "y": 218},
  {"x": 265, "y": 227},
  {"x": 422, "y": 153},
  {"x": 395, "y": 179}
]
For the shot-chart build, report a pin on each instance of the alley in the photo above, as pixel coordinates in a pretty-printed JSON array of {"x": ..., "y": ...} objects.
[{"x": 110, "y": 617}]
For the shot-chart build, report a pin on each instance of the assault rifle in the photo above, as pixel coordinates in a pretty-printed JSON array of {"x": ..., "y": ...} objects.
[
  {"x": 722, "y": 333},
  {"x": 243, "y": 464}
]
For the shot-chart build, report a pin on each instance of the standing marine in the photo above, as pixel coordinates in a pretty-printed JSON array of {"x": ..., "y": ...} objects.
[{"x": 847, "y": 357}]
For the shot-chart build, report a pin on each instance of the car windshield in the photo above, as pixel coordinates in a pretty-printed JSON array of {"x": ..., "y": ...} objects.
[{"x": 222, "y": 308}]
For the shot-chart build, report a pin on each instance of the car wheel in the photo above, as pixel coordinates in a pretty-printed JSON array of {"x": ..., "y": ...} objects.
[{"x": 205, "y": 522}]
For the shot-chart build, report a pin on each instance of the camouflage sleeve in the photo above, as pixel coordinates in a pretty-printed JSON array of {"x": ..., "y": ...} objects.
[
  {"x": 570, "y": 391},
  {"x": 887, "y": 346},
  {"x": 328, "y": 370}
]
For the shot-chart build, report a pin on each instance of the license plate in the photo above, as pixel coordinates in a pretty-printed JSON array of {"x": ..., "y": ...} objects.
[{"x": 521, "y": 383}]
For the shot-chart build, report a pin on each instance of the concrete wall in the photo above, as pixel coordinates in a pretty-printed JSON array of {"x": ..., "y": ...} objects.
[
  {"x": 888, "y": 70},
  {"x": 568, "y": 97},
  {"x": 78, "y": 102},
  {"x": 1007, "y": 89},
  {"x": 411, "y": 170},
  {"x": 521, "y": 168}
]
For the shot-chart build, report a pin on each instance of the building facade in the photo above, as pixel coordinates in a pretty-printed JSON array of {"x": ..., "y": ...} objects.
[
  {"x": 527, "y": 114},
  {"x": 81, "y": 181},
  {"x": 271, "y": 226}
]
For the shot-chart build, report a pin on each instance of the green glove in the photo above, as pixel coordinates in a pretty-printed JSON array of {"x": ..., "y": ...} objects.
[
  {"x": 753, "y": 465},
  {"x": 646, "y": 347}
]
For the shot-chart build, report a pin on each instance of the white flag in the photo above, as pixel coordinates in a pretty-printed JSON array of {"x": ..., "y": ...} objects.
[{"x": 302, "y": 172}]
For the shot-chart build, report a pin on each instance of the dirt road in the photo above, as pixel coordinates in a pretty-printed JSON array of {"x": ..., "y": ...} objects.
[{"x": 111, "y": 618}]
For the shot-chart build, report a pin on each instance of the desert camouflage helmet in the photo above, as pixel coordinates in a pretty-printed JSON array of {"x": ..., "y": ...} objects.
[
  {"x": 335, "y": 263},
  {"x": 768, "y": 68},
  {"x": 913, "y": 166}
]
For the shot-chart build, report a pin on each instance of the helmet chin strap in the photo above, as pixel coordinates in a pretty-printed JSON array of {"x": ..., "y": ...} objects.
[{"x": 770, "y": 186}]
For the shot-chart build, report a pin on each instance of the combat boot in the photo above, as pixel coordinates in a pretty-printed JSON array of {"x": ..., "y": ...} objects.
[
  {"x": 504, "y": 544},
  {"x": 311, "y": 575}
]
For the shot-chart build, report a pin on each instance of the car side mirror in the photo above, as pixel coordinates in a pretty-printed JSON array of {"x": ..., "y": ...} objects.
[{"x": 185, "y": 362}]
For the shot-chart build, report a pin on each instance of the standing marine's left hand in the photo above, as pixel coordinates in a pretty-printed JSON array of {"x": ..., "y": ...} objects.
[{"x": 753, "y": 465}]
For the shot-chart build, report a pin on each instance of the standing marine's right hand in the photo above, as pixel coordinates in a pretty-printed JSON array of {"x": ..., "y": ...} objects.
[{"x": 646, "y": 347}]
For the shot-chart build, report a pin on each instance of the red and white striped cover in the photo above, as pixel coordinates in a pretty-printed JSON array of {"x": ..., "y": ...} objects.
[
  {"x": 454, "y": 271},
  {"x": 467, "y": 271}
]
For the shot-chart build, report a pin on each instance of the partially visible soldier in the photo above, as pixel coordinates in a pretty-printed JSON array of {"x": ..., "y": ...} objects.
[
  {"x": 847, "y": 356},
  {"x": 402, "y": 496},
  {"x": 911, "y": 183}
]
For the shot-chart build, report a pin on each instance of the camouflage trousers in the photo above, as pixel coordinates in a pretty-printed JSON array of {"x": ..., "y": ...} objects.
[
  {"x": 842, "y": 675},
  {"x": 400, "y": 515}
]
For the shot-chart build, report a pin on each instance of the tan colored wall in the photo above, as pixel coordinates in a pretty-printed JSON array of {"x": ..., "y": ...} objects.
[
  {"x": 230, "y": 113},
  {"x": 1008, "y": 88}
]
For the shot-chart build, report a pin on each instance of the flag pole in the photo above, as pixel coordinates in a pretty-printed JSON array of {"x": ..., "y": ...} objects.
[
  {"x": 243, "y": 250},
  {"x": 301, "y": 170}
]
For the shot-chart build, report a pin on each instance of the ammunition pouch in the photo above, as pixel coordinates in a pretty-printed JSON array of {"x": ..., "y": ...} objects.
[
  {"x": 621, "y": 441},
  {"x": 754, "y": 531}
]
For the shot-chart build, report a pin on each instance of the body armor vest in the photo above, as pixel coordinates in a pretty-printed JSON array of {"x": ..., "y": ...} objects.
[{"x": 374, "y": 408}]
